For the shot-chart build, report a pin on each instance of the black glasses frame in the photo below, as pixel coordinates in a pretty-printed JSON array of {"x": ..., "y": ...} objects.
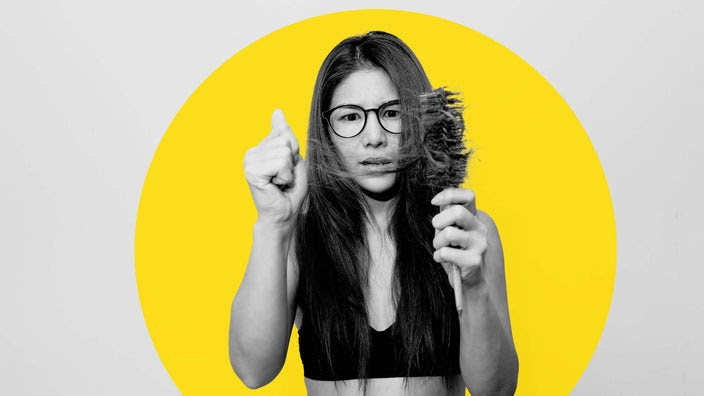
[{"x": 326, "y": 117}]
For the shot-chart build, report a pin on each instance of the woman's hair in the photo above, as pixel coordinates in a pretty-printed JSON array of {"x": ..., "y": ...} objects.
[{"x": 331, "y": 247}]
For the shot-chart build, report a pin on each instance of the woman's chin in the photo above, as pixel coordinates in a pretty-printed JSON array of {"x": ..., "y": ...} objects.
[{"x": 381, "y": 188}]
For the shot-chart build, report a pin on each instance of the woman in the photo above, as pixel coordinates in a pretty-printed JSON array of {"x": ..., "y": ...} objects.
[{"x": 347, "y": 247}]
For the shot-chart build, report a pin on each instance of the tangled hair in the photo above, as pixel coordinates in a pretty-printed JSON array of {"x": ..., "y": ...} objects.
[{"x": 330, "y": 233}]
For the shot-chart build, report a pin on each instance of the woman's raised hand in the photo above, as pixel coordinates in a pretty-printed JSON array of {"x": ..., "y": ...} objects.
[
  {"x": 461, "y": 238},
  {"x": 276, "y": 174}
]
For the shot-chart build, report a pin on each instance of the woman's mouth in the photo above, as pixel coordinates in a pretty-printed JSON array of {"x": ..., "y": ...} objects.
[
  {"x": 372, "y": 161},
  {"x": 378, "y": 164}
]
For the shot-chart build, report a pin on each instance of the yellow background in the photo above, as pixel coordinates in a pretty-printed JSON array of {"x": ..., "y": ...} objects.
[{"x": 535, "y": 172}]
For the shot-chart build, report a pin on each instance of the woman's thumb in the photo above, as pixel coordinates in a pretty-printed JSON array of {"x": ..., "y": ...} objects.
[{"x": 278, "y": 121}]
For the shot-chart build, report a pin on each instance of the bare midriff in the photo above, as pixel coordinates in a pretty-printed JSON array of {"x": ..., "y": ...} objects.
[{"x": 416, "y": 386}]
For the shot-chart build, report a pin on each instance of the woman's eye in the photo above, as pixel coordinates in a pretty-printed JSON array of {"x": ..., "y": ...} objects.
[
  {"x": 391, "y": 114},
  {"x": 350, "y": 117}
]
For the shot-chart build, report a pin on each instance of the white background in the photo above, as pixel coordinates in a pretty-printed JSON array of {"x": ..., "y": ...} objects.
[{"x": 87, "y": 90}]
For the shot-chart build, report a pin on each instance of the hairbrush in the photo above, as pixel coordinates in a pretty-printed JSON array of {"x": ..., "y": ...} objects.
[{"x": 444, "y": 159}]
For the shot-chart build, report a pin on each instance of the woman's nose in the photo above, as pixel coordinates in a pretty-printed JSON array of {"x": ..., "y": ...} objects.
[{"x": 373, "y": 133}]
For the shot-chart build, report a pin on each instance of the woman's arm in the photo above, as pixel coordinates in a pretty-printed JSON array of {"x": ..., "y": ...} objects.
[
  {"x": 488, "y": 357},
  {"x": 487, "y": 353},
  {"x": 264, "y": 308}
]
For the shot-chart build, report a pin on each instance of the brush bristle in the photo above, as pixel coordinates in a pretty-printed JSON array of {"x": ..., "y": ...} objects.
[{"x": 445, "y": 161}]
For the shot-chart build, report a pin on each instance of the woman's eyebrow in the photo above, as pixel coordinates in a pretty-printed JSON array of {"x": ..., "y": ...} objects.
[{"x": 358, "y": 105}]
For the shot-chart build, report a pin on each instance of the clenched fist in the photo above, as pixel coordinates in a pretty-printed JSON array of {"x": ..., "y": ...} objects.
[{"x": 276, "y": 174}]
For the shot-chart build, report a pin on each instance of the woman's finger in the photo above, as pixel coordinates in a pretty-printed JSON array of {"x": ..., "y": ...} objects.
[
  {"x": 457, "y": 215},
  {"x": 258, "y": 155},
  {"x": 474, "y": 242},
  {"x": 452, "y": 236},
  {"x": 284, "y": 177},
  {"x": 261, "y": 171},
  {"x": 462, "y": 196},
  {"x": 280, "y": 128},
  {"x": 469, "y": 262},
  {"x": 459, "y": 257},
  {"x": 277, "y": 143},
  {"x": 277, "y": 120}
]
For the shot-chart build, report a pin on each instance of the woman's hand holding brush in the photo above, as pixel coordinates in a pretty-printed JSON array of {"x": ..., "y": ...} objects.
[{"x": 461, "y": 238}]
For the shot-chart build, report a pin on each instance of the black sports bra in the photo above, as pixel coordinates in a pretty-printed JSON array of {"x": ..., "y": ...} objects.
[{"x": 383, "y": 360}]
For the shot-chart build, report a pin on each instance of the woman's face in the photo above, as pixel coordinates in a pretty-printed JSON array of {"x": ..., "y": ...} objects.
[{"x": 372, "y": 155}]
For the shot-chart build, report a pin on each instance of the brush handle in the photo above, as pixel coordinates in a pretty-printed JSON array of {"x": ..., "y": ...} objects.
[{"x": 457, "y": 285}]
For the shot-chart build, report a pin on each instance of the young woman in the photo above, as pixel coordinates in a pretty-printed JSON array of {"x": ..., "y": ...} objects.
[{"x": 358, "y": 256}]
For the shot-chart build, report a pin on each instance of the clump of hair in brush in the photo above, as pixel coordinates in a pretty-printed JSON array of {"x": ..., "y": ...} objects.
[{"x": 444, "y": 160}]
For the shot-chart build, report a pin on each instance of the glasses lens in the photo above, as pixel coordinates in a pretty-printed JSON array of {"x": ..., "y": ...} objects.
[
  {"x": 390, "y": 117},
  {"x": 347, "y": 120}
]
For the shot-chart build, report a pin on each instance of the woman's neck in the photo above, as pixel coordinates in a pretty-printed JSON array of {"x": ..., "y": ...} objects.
[
  {"x": 380, "y": 206},
  {"x": 379, "y": 212}
]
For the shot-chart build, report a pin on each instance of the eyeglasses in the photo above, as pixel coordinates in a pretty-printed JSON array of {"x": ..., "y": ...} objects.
[{"x": 349, "y": 120}]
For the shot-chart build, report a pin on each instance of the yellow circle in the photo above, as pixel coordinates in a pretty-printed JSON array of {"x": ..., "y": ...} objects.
[{"x": 534, "y": 171}]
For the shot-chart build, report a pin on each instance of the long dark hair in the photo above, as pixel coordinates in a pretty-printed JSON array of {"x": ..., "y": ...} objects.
[{"x": 331, "y": 246}]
